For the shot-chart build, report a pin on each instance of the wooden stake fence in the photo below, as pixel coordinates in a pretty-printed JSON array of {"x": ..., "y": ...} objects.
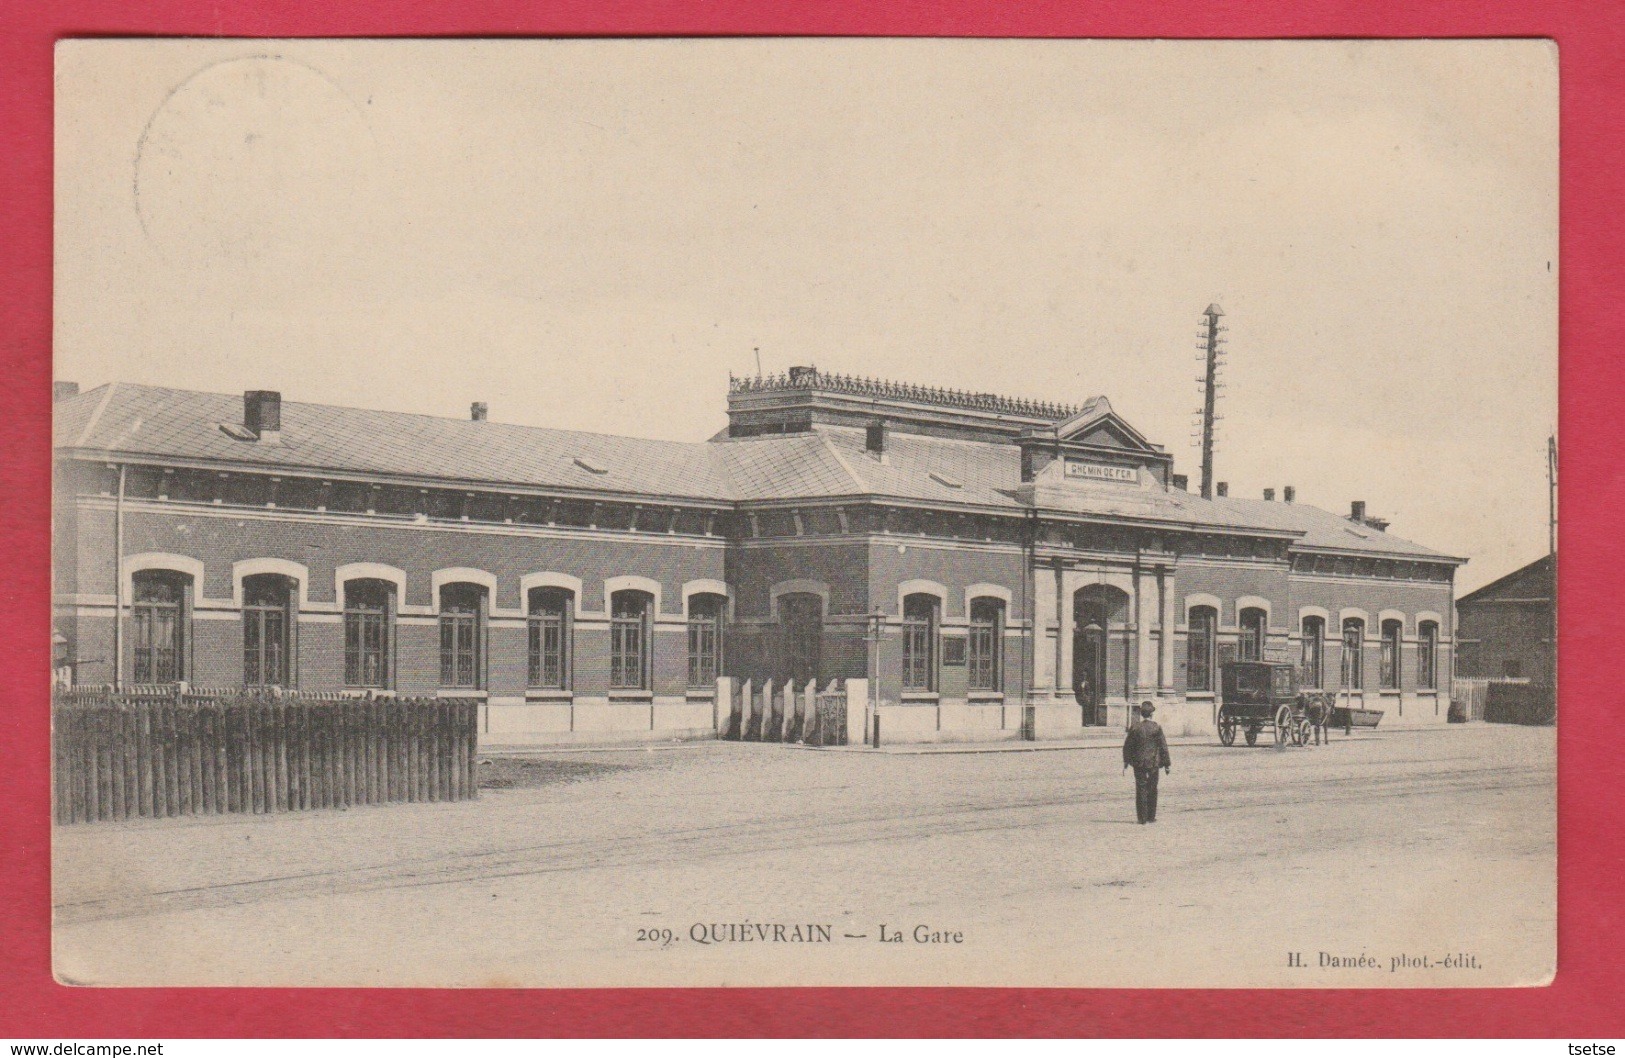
[{"x": 129, "y": 755}]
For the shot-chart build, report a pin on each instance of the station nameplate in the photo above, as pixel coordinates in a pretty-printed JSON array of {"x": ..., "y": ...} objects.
[{"x": 1076, "y": 468}]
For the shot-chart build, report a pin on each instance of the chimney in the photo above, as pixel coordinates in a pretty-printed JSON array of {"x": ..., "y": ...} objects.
[
  {"x": 478, "y": 410},
  {"x": 1182, "y": 482},
  {"x": 262, "y": 415},
  {"x": 63, "y": 390},
  {"x": 874, "y": 438},
  {"x": 1224, "y": 488},
  {"x": 1357, "y": 511},
  {"x": 1269, "y": 494},
  {"x": 1289, "y": 494}
]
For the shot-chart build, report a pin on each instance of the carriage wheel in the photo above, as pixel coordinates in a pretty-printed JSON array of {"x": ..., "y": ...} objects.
[
  {"x": 1252, "y": 736},
  {"x": 1227, "y": 728},
  {"x": 1300, "y": 731},
  {"x": 1283, "y": 724}
]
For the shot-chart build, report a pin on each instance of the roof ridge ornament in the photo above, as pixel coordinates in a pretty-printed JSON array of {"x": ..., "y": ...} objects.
[{"x": 805, "y": 378}]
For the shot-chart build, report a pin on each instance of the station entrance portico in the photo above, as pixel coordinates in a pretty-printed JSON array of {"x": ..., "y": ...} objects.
[{"x": 1100, "y": 649}]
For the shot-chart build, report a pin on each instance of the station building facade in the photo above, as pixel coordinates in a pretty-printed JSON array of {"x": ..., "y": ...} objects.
[{"x": 966, "y": 556}]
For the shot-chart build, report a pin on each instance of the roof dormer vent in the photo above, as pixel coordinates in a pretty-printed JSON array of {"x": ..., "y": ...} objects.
[{"x": 591, "y": 468}]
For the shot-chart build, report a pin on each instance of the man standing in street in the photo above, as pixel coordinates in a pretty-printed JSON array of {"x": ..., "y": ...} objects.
[{"x": 1145, "y": 750}]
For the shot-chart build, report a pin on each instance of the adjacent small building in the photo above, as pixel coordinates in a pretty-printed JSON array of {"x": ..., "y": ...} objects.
[
  {"x": 989, "y": 566},
  {"x": 1507, "y": 628}
]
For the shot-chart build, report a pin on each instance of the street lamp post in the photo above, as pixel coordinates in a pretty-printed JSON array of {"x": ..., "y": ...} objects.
[{"x": 871, "y": 707}]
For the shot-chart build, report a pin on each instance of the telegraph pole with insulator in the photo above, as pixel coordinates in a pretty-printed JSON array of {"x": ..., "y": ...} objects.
[
  {"x": 1212, "y": 346},
  {"x": 1551, "y": 494}
]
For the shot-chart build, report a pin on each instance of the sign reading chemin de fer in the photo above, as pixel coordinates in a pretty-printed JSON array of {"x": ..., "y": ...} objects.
[{"x": 1077, "y": 468}]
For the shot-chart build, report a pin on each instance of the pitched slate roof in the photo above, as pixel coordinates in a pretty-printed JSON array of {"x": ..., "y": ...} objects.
[
  {"x": 797, "y": 466},
  {"x": 1533, "y": 581},
  {"x": 1322, "y": 529},
  {"x": 154, "y": 421},
  {"x": 932, "y": 469},
  {"x": 157, "y": 422}
]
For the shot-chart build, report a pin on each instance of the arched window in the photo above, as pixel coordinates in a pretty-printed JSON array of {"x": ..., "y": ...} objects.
[
  {"x": 1204, "y": 623},
  {"x": 267, "y": 630},
  {"x": 1388, "y": 677},
  {"x": 801, "y": 636},
  {"x": 369, "y": 633},
  {"x": 1427, "y": 655},
  {"x": 160, "y": 616},
  {"x": 550, "y": 610},
  {"x": 462, "y": 654},
  {"x": 920, "y": 643},
  {"x": 705, "y": 615},
  {"x": 1312, "y": 667},
  {"x": 1253, "y": 623},
  {"x": 984, "y": 654},
  {"x": 629, "y": 640},
  {"x": 1353, "y": 653}
]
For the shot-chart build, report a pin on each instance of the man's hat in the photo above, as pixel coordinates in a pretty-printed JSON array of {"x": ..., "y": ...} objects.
[{"x": 1146, "y": 708}]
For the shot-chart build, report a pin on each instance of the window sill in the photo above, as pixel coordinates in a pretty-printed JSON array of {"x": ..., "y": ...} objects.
[
  {"x": 1200, "y": 696},
  {"x": 1427, "y": 692},
  {"x": 921, "y": 696},
  {"x": 701, "y": 694},
  {"x": 460, "y": 692},
  {"x": 984, "y": 696},
  {"x": 362, "y": 692},
  {"x": 544, "y": 694},
  {"x": 632, "y": 696},
  {"x": 1390, "y": 692}
]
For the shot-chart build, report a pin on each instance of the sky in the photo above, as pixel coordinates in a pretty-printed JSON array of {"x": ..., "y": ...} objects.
[{"x": 592, "y": 235}]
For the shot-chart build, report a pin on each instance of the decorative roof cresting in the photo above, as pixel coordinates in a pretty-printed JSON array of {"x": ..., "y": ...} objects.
[{"x": 810, "y": 378}]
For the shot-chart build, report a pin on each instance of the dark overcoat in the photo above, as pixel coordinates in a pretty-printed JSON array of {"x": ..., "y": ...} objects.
[{"x": 1146, "y": 746}]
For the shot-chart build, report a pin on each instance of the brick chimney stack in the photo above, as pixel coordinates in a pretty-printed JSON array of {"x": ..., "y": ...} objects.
[
  {"x": 874, "y": 438},
  {"x": 262, "y": 415},
  {"x": 1289, "y": 494},
  {"x": 478, "y": 411},
  {"x": 1269, "y": 494}
]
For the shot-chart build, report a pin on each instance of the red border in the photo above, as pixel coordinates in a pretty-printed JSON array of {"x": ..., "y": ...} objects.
[{"x": 1584, "y": 1001}]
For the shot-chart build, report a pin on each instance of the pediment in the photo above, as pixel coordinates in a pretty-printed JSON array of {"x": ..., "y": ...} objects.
[
  {"x": 1107, "y": 434},
  {"x": 1098, "y": 425}
]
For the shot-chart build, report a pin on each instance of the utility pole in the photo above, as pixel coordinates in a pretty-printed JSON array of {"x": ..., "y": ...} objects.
[
  {"x": 1212, "y": 351},
  {"x": 1551, "y": 494},
  {"x": 1551, "y": 543}
]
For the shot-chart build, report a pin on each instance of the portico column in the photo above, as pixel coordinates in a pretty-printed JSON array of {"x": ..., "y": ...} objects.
[
  {"x": 1065, "y": 585},
  {"x": 1045, "y": 628},
  {"x": 1165, "y": 671},
  {"x": 1145, "y": 658}
]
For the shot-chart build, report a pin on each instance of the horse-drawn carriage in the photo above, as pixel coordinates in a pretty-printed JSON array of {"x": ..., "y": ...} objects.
[{"x": 1259, "y": 696}]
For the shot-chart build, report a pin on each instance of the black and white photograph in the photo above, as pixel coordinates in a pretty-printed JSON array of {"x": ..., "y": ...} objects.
[{"x": 777, "y": 512}]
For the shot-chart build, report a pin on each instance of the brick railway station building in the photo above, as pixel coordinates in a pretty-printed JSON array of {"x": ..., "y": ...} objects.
[{"x": 965, "y": 555}]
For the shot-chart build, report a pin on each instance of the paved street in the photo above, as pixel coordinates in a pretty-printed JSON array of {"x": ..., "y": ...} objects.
[{"x": 1404, "y": 845}]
